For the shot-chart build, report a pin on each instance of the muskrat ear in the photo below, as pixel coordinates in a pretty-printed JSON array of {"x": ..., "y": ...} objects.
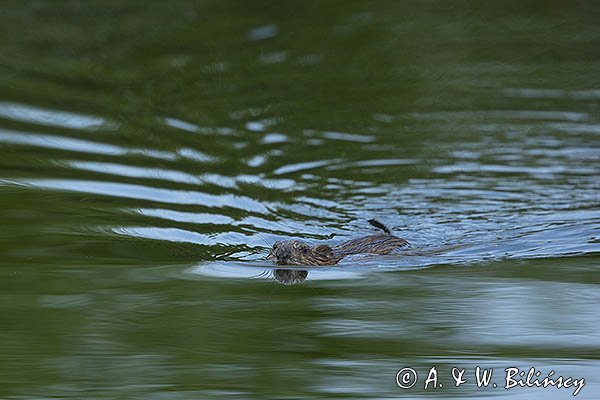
[{"x": 324, "y": 250}]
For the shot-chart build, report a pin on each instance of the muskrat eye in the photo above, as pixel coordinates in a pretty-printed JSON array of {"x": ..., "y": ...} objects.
[
  {"x": 304, "y": 250},
  {"x": 275, "y": 245}
]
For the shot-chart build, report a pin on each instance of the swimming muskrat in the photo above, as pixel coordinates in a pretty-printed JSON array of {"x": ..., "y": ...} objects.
[{"x": 296, "y": 252}]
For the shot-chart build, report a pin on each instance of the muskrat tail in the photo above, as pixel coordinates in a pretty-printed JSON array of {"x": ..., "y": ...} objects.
[{"x": 379, "y": 225}]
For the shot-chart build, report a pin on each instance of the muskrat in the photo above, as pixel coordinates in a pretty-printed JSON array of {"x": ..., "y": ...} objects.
[{"x": 296, "y": 252}]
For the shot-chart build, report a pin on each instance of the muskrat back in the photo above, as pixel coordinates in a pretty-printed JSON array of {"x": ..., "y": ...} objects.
[{"x": 381, "y": 243}]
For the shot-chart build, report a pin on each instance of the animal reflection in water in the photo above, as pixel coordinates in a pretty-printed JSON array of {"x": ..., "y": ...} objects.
[
  {"x": 290, "y": 276},
  {"x": 296, "y": 252}
]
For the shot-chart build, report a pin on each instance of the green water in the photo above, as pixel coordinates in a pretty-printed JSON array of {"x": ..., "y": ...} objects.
[{"x": 153, "y": 151}]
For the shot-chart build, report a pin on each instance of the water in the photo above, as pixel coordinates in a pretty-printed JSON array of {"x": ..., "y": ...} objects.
[{"x": 151, "y": 154}]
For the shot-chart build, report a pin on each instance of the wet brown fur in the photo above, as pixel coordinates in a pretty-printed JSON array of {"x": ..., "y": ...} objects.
[{"x": 296, "y": 252}]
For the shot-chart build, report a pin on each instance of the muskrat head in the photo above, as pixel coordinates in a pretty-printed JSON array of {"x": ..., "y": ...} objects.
[{"x": 296, "y": 252}]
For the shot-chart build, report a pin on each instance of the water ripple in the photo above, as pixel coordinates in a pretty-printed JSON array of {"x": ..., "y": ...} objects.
[
  {"x": 132, "y": 191},
  {"x": 61, "y": 119},
  {"x": 303, "y": 166},
  {"x": 535, "y": 115},
  {"x": 181, "y": 216},
  {"x": 85, "y": 146},
  {"x": 134, "y": 172}
]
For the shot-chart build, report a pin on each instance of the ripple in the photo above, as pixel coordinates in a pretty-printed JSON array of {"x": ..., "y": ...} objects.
[
  {"x": 373, "y": 163},
  {"x": 59, "y": 142},
  {"x": 257, "y": 160},
  {"x": 182, "y": 235},
  {"x": 505, "y": 114},
  {"x": 132, "y": 191},
  {"x": 78, "y": 145},
  {"x": 576, "y": 128},
  {"x": 541, "y": 171},
  {"x": 349, "y": 137},
  {"x": 273, "y": 138},
  {"x": 552, "y": 93},
  {"x": 47, "y": 117},
  {"x": 288, "y": 227},
  {"x": 304, "y": 166},
  {"x": 195, "y": 155},
  {"x": 181, "y": 125},
  {"x": 263, "y": 32},
  {"x": 180, "y": 216},
  {"x": 134, "y": 172},
  {"x": 233, "y": 270},
  {"x": 255, "y": 126}
]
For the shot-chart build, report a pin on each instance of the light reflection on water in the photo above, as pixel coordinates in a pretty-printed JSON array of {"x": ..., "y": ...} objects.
[
  {"x": 61, "y": 119},
  {"x": 139, "y": 197}
]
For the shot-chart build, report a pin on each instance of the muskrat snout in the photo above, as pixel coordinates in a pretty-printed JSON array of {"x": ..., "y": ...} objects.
[{"x": 280, "y": 253}]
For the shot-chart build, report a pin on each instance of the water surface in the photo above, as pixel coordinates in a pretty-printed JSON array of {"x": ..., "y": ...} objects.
[{"x": 152, "y": 153}]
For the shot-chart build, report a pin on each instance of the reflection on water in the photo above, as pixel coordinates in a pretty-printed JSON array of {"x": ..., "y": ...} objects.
[
  {"x": 290, "y": 277},
  {"x": 61, "y": 119},
  {"x": 147, "y": 169}
]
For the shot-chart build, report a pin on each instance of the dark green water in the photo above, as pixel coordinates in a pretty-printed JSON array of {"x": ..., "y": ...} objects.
[{"x": 153, "y": 151}]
